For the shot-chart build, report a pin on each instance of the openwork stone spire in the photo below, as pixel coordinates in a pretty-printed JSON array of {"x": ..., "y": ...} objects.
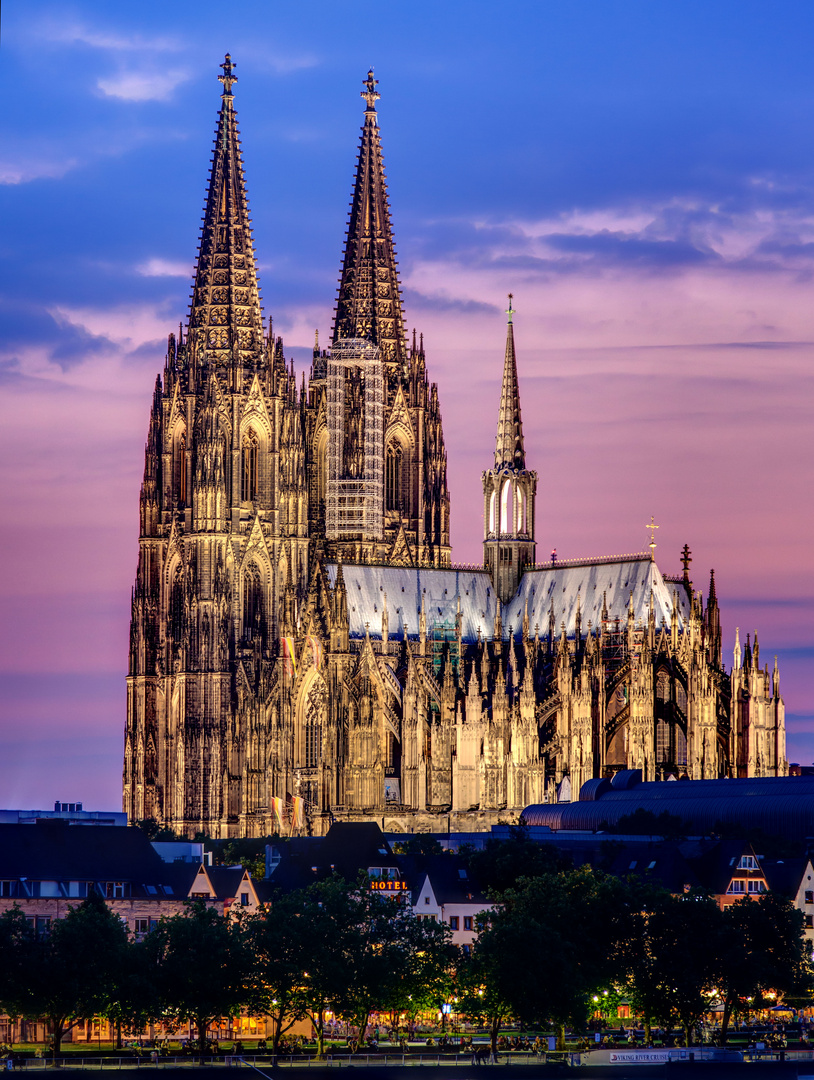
[
  {"x": 226, "y": 323},
  {"x": 369, "y": 301},
  {"x": 509, "y": 452}
]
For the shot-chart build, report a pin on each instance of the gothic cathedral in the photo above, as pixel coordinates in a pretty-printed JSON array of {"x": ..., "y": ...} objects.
[{"x": 302, "y": 648}]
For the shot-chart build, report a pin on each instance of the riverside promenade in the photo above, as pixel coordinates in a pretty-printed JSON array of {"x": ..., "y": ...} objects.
[{"x": 425, "y": 1066}]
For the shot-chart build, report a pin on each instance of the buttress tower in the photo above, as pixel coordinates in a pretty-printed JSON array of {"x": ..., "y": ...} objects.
[{"x": 509, "y": 488}]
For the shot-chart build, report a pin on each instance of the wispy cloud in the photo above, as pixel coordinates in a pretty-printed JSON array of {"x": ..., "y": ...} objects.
[
  {"x": 73, "y": 33},
  {"x": 142, "y": 85},
  {"x": 285, "y": 64},
  {"x": 22, "y": 168},
  {"x": 164, "y": 268},
  {"x": 128, "y": 326}
]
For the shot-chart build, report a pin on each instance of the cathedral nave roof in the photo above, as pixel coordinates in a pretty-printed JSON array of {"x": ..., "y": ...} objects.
[{"x": 567, "y": 585}]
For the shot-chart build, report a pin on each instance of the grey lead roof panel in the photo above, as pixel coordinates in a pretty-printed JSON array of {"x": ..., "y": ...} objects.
[
  {"x": 404, "y": 587},
  {"x": 562, "y": 586}
]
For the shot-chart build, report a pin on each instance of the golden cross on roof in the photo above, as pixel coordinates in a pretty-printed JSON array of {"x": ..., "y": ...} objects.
[
  {"x": 510, "y": 310},
  {"x": 652, "y": 527},
  {"x": 370, "y": 93},
  {"x": 227, "y": 78}
]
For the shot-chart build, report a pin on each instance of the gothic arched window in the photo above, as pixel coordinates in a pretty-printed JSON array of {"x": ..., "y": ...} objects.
[
  {"x": 315, "y": 703},
  {"x": 176, "y": 606},
  {"x": 182, "y": 470},
  {"x": 322, "y": 466},
  {"x": 393, "y": 478},
  {"x": 252, "y": 603},
  {"x": 506, "y": 507},
  {"x": 249, "y": 462},
  {"x": 663, "y": 686}
]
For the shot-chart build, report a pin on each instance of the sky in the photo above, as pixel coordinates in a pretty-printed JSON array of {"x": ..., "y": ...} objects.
[{"x": 640, "y": 176}]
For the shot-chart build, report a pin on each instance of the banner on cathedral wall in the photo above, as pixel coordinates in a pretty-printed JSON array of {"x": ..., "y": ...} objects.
[
  {"x": 298, "y": 812},
  {"x": 290, "y": 656},
  {"x": 277, "y": 809},
  {"x": 315, "y": 645}
]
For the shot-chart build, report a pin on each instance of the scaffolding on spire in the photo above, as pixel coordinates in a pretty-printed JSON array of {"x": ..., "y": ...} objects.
[{"x": 355, "y": 490}]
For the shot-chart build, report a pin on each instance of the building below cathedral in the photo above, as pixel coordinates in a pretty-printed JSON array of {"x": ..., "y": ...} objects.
[{"x": 302, "y": 648}]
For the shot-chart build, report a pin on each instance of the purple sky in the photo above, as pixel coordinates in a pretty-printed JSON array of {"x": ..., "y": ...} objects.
[{"x": 640, "y": 176}]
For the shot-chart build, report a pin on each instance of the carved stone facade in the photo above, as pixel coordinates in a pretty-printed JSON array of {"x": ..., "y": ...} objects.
[{"x": 293, "y": 662}]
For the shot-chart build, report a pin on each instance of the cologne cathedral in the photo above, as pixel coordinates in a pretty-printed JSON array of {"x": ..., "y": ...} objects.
[{"x": 303, "y": 649}]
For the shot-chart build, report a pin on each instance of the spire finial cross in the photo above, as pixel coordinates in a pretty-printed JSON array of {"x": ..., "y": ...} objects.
[
  {"x": 510, "y": 310},
  {"x": 370, "y": 93},
  {"x": 227, "y": 78},
  {"x": 652, "y": 527}
]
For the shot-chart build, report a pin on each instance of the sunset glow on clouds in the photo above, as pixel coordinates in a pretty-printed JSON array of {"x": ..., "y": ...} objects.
[{"x": 640, "y": 177}]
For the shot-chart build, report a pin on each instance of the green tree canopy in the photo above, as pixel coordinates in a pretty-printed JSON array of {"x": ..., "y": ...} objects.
[
  {"x": 72, "y": 971},
  {"x": 761, "y": 948},
  {"x": 556, "y": 940},
  {"x": 202, "y": 966},
  {"x": 672, "y": 956}
]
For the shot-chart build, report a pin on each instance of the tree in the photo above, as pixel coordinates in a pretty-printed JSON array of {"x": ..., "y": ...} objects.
[
  {"x": 672, "y": 957},
  {"x": 329, "y": 912},
  {"x": 555, "y": 941},
  {"x": 280, "y": 938},
  {"x": 762, "y": 948},
  {"x": 395, "y": 956},
  {"x": 71, "y": 971},
  {"x": 202, "y": 966},
  {"x": 16, "y": 943},
  {"x": 485, "y": 976},
  {"x": 135, "y": 998}
]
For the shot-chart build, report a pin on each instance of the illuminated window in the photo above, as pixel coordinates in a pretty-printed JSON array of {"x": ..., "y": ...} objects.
[
  {"x": 249, "y": 484},
  {"x": 737, "y": 886},
  {"x": 748, "y": 862}
]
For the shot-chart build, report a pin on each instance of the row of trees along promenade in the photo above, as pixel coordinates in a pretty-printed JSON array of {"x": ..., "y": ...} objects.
[{"x": 557, "y": 941}]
